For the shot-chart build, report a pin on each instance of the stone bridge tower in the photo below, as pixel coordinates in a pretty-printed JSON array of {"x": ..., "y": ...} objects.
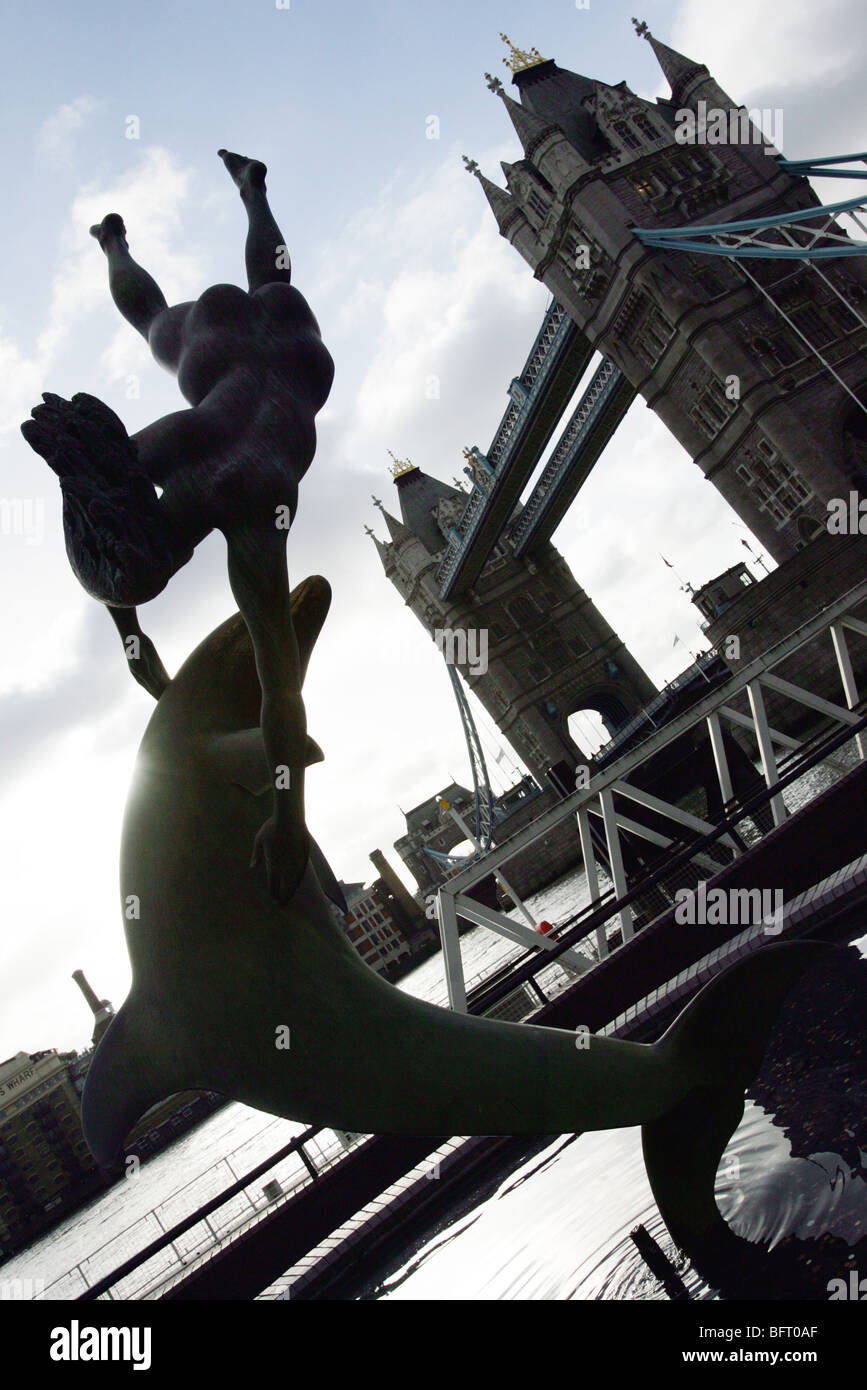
[
  {"x": 725, "y": 354},
  {"x": 550, "y": 651}
]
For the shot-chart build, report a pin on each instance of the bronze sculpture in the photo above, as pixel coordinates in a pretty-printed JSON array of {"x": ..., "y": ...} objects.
[
  {"x": 254, "y": 368},
  {"x": 294, "y": 1022}
]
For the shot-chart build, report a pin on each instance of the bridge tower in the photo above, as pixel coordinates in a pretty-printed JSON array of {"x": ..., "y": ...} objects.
[
  {"x": 757, "y": 369},
  {"x": 549, "y": 650}
]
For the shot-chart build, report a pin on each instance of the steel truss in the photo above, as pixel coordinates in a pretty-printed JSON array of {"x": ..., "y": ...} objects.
[
  {"x": 743, "y": 239},
  {"x": 598, "y": 799},
  {"x": 483, "y": 796},
  {"x": 786, "y": 236}
]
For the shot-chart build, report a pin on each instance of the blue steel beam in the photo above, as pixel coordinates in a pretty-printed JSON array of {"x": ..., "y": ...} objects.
[
  {"x": 739, "y": 240},
  {"x": 819, "y": 168},
  {"x": 594, "y": 420},
  {"x": 539, "y": 395},
  {"x": 746, "y": 224},
  {"x": 758, "y": 253}
]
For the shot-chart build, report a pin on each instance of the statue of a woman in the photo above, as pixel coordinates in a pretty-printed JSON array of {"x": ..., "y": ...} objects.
[{"x": 255, "y": 371}]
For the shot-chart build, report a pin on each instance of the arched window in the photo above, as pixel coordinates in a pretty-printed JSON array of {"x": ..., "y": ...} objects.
[
  {"x": 808, "y": 529},
  {"x": 626, "y": 135},
  {"x": 525, "y": 612},
  {"x": 645, "y": 126},
  {"x": 536, "y": 202}
]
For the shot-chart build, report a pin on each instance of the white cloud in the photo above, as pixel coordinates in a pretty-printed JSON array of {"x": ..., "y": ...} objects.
[
  {"x": 55, "y": 138},
  {"x": 151, "y": 197},
  {"x": 749, "y": 50},
  {"x": 446, "y": 302},
  {"x": 21, "y": 380}
]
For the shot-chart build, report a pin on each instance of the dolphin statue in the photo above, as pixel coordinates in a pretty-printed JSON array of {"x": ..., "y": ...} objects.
[{"x": 224, "y": 977}]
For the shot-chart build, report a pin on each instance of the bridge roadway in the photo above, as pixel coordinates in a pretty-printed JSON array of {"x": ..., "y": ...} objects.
[
  {"x": 539, "y": 397},
  {"x": 592, "y": 424}
]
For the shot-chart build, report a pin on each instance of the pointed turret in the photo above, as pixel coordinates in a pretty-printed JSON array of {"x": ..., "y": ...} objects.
[
  {"x": 502, "y": 204},
  {"x": 556, "y": 97},
  {"x": 531, "y": 129},
  {"x": 383, "y": 549},
  {"x": 396, "y": 529},
  {"x": 678, "y": 70},
  {"x": 420, "y": 496}
]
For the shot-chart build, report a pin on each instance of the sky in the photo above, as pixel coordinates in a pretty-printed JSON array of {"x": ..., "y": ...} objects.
[{"x": 122, "y": 107}]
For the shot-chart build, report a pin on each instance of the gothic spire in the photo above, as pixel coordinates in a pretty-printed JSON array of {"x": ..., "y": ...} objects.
[
  {"x": 383, "y": 548},
  {"x": 420, "y": 496},
  {"x": 396, "y": 529},
  {"x": 530, "y": 128},
  {"x": 677, "y": 69},
  {"x": 502, "y": 204}
]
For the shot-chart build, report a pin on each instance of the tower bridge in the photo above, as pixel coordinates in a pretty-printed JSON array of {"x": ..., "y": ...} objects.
[
  {"x": 594, "y": 420},
  {"x": 687, "y": 267},
  {"x": 539, "y": 396},
  {"x": 688, "y": 264}
]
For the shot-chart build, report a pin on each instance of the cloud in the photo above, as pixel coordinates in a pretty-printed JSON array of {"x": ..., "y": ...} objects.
[
  {"x": 439, "y": 307},
  {"x": 55, "y": 139},
  {"x": 152, "y": 196},
  {"x": 810, "y": 43},
  {"x": 92, "y": 680}
]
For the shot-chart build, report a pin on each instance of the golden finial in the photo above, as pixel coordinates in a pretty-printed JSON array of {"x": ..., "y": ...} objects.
[
  {"x": 400, "y": 466},
  {"x": 468, "y": 454},
  {"x": 519, "y": 59}
]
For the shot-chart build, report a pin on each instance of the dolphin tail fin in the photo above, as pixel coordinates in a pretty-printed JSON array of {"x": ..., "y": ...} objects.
[
  {"x": 123, "y": 1081},
  {"x": 719, "y": 1039}
]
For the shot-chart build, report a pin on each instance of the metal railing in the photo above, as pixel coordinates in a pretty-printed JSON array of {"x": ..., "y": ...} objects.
[
  {"x": 167, "y": 1257},
  {"x": 758, "y": 680},
  {"x": 570, "y": 947}
]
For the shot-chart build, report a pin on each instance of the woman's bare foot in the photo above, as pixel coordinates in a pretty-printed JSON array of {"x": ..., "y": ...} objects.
[
  {"x": 108, "y": 229},
  {"x": 246, "y": 173}
]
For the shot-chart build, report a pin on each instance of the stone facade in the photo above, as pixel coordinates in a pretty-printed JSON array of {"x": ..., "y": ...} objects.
[
  {"x": 763, "y": 614},
  {"x": 546, "y": 859},
  {"x": 728, "y": 355},
  {"x": 429, "y": 825},
  {"x": 45, "y": 1164},
  {"x": 549, "y": 651}
]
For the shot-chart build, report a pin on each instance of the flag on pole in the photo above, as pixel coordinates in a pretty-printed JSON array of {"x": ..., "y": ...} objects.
[{"x": 664, "y": 561}]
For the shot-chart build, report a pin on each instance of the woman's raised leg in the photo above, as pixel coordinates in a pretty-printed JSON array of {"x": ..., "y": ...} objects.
[{"x": 265, "y": 253}]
